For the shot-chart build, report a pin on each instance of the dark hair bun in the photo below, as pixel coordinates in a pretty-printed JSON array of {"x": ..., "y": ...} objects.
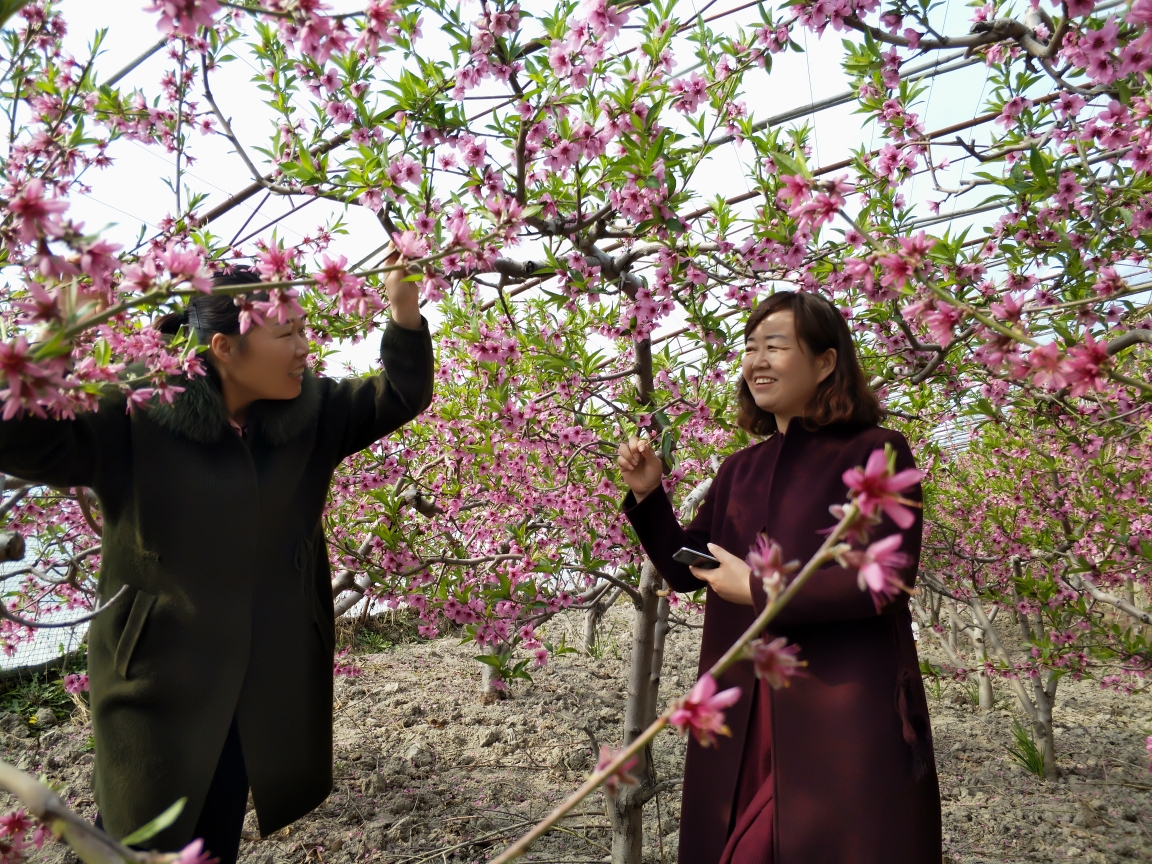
[{"x": 212, "y": 313}]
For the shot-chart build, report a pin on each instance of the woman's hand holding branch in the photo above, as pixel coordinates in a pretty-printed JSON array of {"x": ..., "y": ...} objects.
[{"x": 640, "y": 467}]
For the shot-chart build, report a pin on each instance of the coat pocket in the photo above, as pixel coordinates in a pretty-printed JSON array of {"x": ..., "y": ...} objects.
[{"x": 141, "y": 607}]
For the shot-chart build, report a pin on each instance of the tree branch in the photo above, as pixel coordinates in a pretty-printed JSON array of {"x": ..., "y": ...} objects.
[
  {"x": 72, "y": 622},
  {"x": 1110, "y": 599},
  {"x": 1132, "y": 337}
]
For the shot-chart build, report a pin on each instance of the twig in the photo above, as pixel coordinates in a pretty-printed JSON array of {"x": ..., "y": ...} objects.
[{"x": 45, "y": 625}]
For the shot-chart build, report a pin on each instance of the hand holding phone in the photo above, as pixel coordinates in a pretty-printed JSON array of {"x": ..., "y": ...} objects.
[{"x": 693, "y": 558}]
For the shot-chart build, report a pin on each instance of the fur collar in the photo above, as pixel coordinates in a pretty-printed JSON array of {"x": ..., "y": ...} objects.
[{"x": 199, "y": 413}]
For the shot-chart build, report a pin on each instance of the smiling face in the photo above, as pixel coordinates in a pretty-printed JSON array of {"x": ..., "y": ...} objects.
[
  {"x": 268, "y": 363},
  {"x": 780, "y": 370}
]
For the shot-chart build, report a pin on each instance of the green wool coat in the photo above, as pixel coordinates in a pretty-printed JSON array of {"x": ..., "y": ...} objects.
[{"x": 228, "y": 610}]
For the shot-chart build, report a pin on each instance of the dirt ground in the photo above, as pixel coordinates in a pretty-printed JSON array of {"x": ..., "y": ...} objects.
[{"x": 425, "y": 773}]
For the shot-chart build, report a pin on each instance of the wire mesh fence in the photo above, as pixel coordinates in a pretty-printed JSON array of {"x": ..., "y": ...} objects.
[{"x": 44, "y": 647}]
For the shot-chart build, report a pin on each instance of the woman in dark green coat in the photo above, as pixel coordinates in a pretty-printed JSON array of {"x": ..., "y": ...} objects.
[{"x": 212, "y": 671}]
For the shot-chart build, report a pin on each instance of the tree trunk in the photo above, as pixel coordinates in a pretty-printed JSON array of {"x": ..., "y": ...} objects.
[
  {"x": 488, "y": 693},
  {"x": 662, "y": 610},
  {"x": 594, "y": 614},
  {"x": 626, "y": 807},
  {"x": 983, "y": 680},
  {"x": 1045, "y": 735},
  {"x": 1038, "y": 706}
]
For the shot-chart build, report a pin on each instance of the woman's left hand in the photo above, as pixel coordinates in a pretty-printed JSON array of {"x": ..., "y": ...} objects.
[
  {"x": 731, "y": 580},
  {"x": 403, "y": 295}
]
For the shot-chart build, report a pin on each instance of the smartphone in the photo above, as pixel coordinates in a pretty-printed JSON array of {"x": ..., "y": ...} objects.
[{"x": 692, "y": 558}]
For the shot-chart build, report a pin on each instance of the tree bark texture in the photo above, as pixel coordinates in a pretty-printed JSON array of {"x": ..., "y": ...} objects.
[{"x": 626, "y": 807}]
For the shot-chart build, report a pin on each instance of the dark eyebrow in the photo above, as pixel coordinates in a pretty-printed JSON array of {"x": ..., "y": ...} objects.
[{"x": 770, "y": 336}]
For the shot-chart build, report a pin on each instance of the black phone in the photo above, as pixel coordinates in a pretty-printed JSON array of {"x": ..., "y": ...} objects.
[{"x": 692, "y": 558}]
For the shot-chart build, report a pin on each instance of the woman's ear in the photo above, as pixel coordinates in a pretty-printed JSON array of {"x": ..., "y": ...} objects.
[
  {"x": 825, "y": 363},
  {"x": 223, "y": 349}
]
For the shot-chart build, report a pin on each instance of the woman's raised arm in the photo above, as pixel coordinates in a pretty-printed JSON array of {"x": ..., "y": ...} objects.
[
  {"x": 650, "y": 512},
  {"x": 70, "y": 452},
  {"x": 375, "y": 406}
]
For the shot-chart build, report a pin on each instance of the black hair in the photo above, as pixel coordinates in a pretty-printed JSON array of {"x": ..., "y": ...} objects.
[{"x": 206, "y": 314}]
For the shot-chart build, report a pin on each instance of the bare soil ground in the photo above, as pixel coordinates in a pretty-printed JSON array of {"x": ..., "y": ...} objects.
[{"x": 425, "y": 773}]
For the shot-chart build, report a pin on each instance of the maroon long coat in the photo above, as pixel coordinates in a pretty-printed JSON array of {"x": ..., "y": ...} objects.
[{"x": 855, "y": 780}]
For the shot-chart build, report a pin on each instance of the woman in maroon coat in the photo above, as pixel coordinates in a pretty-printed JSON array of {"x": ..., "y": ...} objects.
[{"x": 837, "y": 767}]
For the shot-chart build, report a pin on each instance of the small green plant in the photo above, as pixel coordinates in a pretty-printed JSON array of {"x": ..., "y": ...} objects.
[
  {"x": 934, "y": 685},
  {"x": 27, "y": 695},
  {"x": 972, "y": 692},
  {"x": 1025, "y": 752},
  {"x": 368, "y": 642}
]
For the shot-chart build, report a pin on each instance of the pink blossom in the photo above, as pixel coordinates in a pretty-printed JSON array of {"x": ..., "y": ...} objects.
[
  {"x": 274, "y": 263},
  {"x": 473, "y": 152},
  {"x": 1140, "y": 13},
  {"x": 183, "y": 16},
  {"x": 283, "y": 303},
  {"x": 98, "y": 262},
  {"x": 1148, "y": 747},
  {"x": 604, "y": 20},
  {"x": 335, "y": 281},
  {"x": 940, "y": 322},
  {"x": 42, "y": 307},
  {"x": 193, "y": 853},
  {"x": 702, "y": 710},
  {"x": 379, "y": 26},
  {"x": 35, "y": 215},
  {"x": 16, "y": 366},
  {"x": 14, "y": 824},
  {"x": 1080, "y": 8},
  {"x": 559, "y": 58},
  {"x": 795, "y": 187},
  {"x": 75, "y": 683},
  {"x": 1084, "y": 366},
  {"x": 1101, "y": 41},
  {"x": 878, "y": 485},
  {"x": 186, "y": 265},
  {"x": 250, "y": 315},
  {"x": 434, "y": 286},
  {"x": 877, "y": 568},
  {"x": 334, "y": 278},
  {"x": 405, "y": 170},
  {"x": 372, "y": 199},
  {"x": 1010, "y": 308},
  {"x": 410, "y": 244},
  {"x": 766, "y": 559},
  {"x": 1012, "y": 109},
  {"x": 621, "y": 776},
  {"x": 775, "y": 661},
  {"x": 41, "y": 835},
  {"x": 1136, "y": 57},
  {"x": 140, "y": 397},
  {"x": 1108, "y": 281},
  {"x": 1046, "y": 366},
  {"x": 688, "y": 93}
]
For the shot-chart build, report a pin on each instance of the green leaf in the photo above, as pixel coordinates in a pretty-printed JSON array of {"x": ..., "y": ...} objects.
[
  {"x": 8, "y": 8},
  {"x": 1039, "y": 169},
  {"x": 785, "y": 164},
  {"x": 147, "y": 832}
]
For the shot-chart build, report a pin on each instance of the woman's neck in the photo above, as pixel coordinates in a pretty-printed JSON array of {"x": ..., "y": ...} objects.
[{"x": 237, "y": 400}]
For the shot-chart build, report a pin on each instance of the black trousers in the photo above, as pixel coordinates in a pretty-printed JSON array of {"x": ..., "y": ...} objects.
[{"x": 221, "y": 819}]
